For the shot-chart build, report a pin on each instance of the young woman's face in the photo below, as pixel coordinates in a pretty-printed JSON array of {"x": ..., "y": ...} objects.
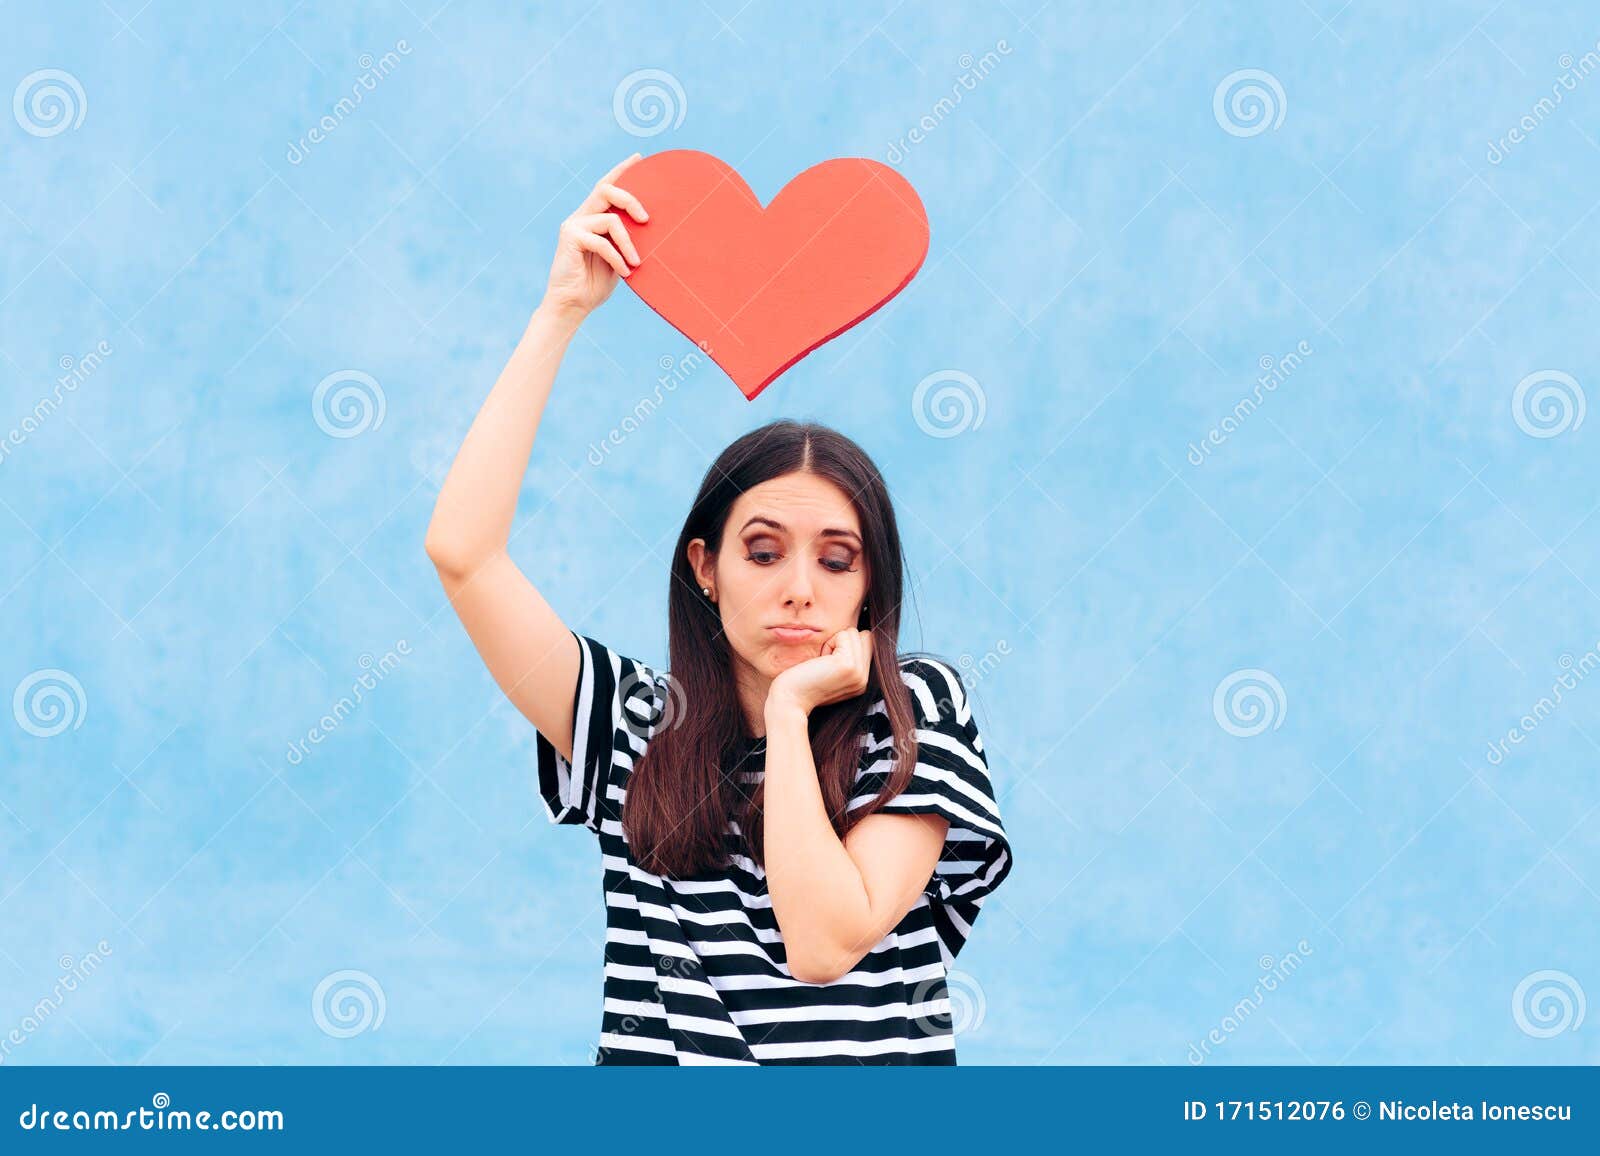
[{"x": 791, "y": 553}]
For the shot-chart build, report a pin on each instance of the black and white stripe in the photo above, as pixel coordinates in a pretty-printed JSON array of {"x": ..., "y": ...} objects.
[{"x": 695, "y": 969}]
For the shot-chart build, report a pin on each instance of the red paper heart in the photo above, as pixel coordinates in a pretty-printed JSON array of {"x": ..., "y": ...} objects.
[{"x": 758, "y": 289}]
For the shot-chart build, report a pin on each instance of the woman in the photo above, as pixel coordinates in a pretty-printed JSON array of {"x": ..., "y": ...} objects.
[{"x": 794, "y": 846}]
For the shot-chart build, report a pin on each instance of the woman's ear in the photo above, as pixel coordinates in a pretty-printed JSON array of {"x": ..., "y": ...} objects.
[{"x": 699, "y": 561}]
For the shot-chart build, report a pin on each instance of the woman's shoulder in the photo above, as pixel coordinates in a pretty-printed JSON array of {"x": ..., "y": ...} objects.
[
  {"x": 645, "y": 697},
  {"x": 936, "y": 686},
  {"x": 939, "y": 702}
]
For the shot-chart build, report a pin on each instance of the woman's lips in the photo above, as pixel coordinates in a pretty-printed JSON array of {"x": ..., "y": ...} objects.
[{"x": 793, "y": 634}]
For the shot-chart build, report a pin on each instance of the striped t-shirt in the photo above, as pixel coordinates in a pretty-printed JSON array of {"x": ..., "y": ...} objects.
[{"x": 695, "y": 969}]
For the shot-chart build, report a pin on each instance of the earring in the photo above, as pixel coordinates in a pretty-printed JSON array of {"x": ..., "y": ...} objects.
[{"x": 706, "y": 590}]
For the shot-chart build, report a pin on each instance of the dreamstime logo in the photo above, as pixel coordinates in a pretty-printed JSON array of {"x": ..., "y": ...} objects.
[
  {"x": 666, "y": 965},
  {"x": 372, "y": 71},
  {"x": 1572, "y": 71},
  {"x": 675, "y": 371},
  {"x": 73, "y": 972},
  {"x": 975, "y": 670},
  {"x": 1274, "y": 372},
  {"x": 1547, "y": 403},
  {"x": 952, "y": 702},
  {"x": 373, "y": 671},
  {"x": 961, "y": 1012},
  {"x": 76, "y": 371},
  {"x": 348, "y": 403},
  {"x": 947, "y": 403},
  {"x": 649, "y": 102},
  {"x": 47, "y": 702},
  {"x": 662, "y": 698},
  {"x": 49, "y": 102},
  {"x": 1274, "y": 973},
  {"x": 1248, "y": 702},
  {"x": 1547, "y": 1003},
  {"x": 1249, "y": 102},
  {"x": 1573, "y": 671},
  {"x": 347, "y": 1003},
  {"x": 972, "y": 71}
]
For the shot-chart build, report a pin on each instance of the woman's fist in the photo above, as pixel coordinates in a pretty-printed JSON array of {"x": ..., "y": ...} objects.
[
  {"x": 839, "y": 672},
  {"x": 593, "y": 248}
]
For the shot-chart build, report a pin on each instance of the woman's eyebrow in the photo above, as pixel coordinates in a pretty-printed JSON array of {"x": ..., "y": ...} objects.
[{"x": 830, "y": 532}]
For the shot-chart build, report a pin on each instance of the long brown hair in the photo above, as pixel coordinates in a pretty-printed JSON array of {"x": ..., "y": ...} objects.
[{"x": 684, "y": 789}]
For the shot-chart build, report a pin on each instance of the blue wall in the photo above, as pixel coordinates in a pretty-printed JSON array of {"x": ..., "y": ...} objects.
[{"x": 1329, "y": 302}]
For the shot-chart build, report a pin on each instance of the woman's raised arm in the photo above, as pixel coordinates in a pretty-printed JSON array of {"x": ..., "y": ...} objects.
[{"x": 528, "y": 649}]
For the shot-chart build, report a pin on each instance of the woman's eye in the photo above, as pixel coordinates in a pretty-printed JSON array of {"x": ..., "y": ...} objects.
[{"x": 767, "y": 557}]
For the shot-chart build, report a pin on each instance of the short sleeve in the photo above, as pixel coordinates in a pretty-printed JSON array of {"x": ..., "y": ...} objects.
[
  {"x": 951, "y": 778},
  {"x": 616, "y": 705}
]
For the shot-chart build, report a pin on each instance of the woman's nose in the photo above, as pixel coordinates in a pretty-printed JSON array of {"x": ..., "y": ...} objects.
[{"x": 798, "y": 584}]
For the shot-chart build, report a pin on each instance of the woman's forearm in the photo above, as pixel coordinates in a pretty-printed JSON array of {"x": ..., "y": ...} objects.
[
  {"x": 472, "y": 517},
  {"x": 818, "y": 894}
]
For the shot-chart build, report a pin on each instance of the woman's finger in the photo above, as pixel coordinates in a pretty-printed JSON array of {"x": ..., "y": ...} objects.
[
  {"x": 594, "y": 243},
  {"x": 848, "y": 655},
  {"x": 623, "y": 199},
  {"x": 616, "y": 169},
  {"x": 612, "y": 224},
  {"x": 595, "y": 201},
  {"x": 609, "y": 224}
]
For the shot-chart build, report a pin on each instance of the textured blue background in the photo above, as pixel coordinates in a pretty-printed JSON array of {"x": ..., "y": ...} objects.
[{"x": 1109, "y": 265}]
